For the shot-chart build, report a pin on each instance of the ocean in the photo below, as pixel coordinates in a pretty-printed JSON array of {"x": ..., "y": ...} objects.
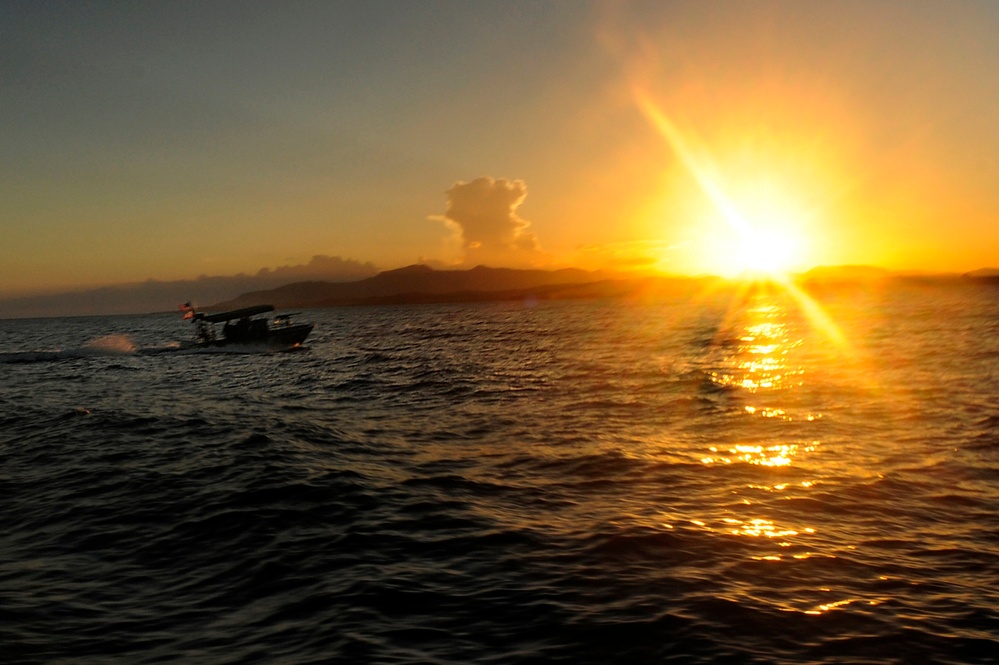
[{"x": 740, "y": 476}]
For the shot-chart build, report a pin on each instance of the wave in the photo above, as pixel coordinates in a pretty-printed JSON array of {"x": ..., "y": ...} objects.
[
  {"x": 103, "y": 346},
  {"x": 457, "y": 492},
  {"x": 119, "y": 346}
]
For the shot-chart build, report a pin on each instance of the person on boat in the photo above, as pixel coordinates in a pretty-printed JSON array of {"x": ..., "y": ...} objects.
[{"x": 203, "y": 332}]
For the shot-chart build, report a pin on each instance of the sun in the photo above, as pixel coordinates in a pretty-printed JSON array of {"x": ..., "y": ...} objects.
[
  {"x": 751, "y": 235},
  {"x": 768, "y": 252},
  {"x": 756, "y": 222},
  {"x": 768, "y": 223},
  {"x": 751, "y": 251}
]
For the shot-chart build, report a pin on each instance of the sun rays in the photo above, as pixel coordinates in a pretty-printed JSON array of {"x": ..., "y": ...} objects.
[
  {"x": 761, "y": 235},
  {"x": 764, "y": 245}
]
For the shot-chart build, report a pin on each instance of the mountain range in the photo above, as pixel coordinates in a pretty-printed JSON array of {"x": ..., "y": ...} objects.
[
  {"x": 417, "y": 284},
  {"x": 422, "y": 284}
]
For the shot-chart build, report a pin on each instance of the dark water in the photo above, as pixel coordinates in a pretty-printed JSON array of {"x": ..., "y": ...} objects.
[{"x": 737, "y": 478}]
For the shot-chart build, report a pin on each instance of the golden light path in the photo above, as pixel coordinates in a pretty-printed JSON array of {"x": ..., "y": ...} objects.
[
  {"x": 764, "y": 345},
  {"x": 759, "y": 365}
]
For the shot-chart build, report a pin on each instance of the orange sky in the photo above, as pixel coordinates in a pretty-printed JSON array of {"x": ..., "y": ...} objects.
[{"x": 168, "y": 142}]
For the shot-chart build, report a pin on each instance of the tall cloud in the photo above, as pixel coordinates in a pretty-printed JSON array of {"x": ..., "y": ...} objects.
[{"x": 483, "y": 214}]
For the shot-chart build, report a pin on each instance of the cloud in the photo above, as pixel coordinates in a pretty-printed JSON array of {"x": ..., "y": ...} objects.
[
  {"x": 319, "y": 268},
  {"x": 483, "y": 215},
  {"x": 154, "y": 295},
  {"x": 630, "y": 255}
]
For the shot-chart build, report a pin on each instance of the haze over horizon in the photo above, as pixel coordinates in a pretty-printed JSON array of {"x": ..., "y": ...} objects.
[{"x": 164, "y": 141}]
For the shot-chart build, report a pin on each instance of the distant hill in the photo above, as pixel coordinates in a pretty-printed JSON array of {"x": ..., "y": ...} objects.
[
  {"x": 983, "y": 272},
  {"x": 868, "y": 273},
  {"x": 835, "y": 274},
  {"x": 837, "y": 277},
  {"x": 158, "y": 296},
  {"x": 988, "y": 275},
  {"x": 420, "y": 283}
]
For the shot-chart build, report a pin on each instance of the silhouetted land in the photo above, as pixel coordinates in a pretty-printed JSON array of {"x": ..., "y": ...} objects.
[{"x": 420, "y": 284}]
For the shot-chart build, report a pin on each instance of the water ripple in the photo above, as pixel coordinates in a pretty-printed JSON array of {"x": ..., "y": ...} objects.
[{"x": 697, "y": 482}]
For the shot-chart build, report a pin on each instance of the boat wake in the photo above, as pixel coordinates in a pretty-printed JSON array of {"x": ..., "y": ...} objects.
[
  {"x": 101, "y": 347},
  {"x": 92, "y": 350}
]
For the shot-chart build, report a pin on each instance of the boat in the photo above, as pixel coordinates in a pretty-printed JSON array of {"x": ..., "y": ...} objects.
[{"x": 240, "y": 328}]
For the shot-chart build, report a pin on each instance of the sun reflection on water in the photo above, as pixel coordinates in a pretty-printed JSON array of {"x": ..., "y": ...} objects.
[
  {"x": 758, "y": 528},
  {"x": 759, "y": 364},
  {"x": 772, "y": 433},
  {"x": 775, "y": 455},
  {"x": 770, "y": 533},
  {"x": 759, "y": 361}
]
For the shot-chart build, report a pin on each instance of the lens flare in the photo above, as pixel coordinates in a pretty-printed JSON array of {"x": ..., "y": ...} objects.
[{"x": 766, "y": 248}]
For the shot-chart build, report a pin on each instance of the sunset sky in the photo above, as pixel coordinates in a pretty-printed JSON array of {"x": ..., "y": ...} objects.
[{"x": 175, "y": 139}]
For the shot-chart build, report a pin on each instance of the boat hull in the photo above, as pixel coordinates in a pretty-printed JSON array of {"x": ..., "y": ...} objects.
[{"x": 277, "y": 339}]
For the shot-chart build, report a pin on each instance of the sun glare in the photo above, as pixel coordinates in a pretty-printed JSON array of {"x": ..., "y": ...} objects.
[
  {"x": 768, "y": 252},
  {"x": 757, "y": 226},
  {"x": 745, "y": 248}
]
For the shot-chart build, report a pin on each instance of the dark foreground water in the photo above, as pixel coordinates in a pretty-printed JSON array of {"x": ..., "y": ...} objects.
[{"x": 737, "y": 478}]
